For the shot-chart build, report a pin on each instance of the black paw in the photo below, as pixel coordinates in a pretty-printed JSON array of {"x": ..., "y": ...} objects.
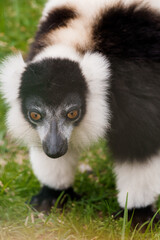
[
  {"x": 139, "y": 216},
  {"x": 48, "y": 198}
]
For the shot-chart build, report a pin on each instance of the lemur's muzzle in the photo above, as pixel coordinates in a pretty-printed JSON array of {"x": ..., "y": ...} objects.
[{"x": 54, "y": 144}]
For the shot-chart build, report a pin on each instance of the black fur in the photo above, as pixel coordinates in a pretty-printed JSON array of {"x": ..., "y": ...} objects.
[
  {"x": 57, "y": 18},
  {"x": 135, "y": 108},
  {"x": 48, "y": 198},
  {"x": 53, "y": 81},
  {"x": 128, "y": 32}
]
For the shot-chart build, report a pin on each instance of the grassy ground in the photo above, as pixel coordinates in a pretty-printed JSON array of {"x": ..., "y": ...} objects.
[{"x": 89, "y": 219}]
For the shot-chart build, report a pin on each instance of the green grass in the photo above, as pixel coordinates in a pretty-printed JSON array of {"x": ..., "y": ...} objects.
[{"x": 88, "y": 219}]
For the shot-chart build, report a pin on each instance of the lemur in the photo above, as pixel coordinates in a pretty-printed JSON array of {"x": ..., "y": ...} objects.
[{"x": 93, "y": 71}]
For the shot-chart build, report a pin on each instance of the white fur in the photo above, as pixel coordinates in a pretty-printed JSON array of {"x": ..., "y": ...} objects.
[
  {"x": 58, "y": 51},
  {"x": 19, "y": 128},
  {"x": 155, "y": 4},
  {"x": 55, "y": 173},
  {"x": 140, "y": 180},
  {"x": 10, "y": 74},
  {"x": 10, "y": 78},
  {"x": 95, "y": 68},
  {"x": 72, "y": 35}
]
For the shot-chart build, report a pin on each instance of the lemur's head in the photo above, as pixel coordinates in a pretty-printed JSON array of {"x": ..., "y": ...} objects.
[
  {"x": 53, "y": 97},
  {"x": 55, "y": 94}
]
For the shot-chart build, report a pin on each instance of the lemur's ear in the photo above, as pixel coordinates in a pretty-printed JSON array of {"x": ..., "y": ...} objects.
[
  {"x": 95, "y": 68},
  {"x": 10, "y": 75}
]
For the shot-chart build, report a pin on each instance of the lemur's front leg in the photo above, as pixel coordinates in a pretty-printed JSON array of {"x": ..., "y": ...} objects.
[
  {"x": 57, "y": 177},
  {"x": 142, "y": 183}
]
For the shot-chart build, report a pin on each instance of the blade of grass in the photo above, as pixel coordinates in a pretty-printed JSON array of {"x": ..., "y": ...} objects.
[
  {"x": 151, "y": 222},
  {"x": 125, "y": 219}
]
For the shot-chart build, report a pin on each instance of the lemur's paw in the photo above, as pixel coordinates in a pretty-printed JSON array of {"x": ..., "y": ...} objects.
[
  {"x": 143, "y": 215},
  {"x": 48, "y": 198},
  {"x": 139, "y": 216}
]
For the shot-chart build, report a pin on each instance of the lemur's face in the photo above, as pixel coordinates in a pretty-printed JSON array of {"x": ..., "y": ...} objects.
[{"x": 53, "y": 100}]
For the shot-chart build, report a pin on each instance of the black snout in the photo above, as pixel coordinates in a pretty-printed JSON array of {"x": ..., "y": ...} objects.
[
  {"x": 55, "y": 150},
  {"x": 54, "y": 144}
]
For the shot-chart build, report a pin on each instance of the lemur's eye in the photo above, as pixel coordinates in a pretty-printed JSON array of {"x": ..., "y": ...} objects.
[
  {"x": 35, "y": 116},
  {"x": 72, "y": 115}
]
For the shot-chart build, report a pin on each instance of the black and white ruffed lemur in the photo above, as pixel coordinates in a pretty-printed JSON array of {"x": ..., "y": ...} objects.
[{"x": 93, "y": 71}]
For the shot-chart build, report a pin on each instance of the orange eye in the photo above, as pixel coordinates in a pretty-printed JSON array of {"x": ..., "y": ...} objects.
[
  {"x": 73, "y": 114},
  {"x": 35, "y": 116}
]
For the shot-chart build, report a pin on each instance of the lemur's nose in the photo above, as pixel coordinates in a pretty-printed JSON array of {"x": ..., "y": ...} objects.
[
  {"x": 56, "y": 149},
  {"x": 54, "y": 144}
]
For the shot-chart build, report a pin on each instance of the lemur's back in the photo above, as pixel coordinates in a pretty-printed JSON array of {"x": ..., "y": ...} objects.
[{"x": 125, "y": 29}]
